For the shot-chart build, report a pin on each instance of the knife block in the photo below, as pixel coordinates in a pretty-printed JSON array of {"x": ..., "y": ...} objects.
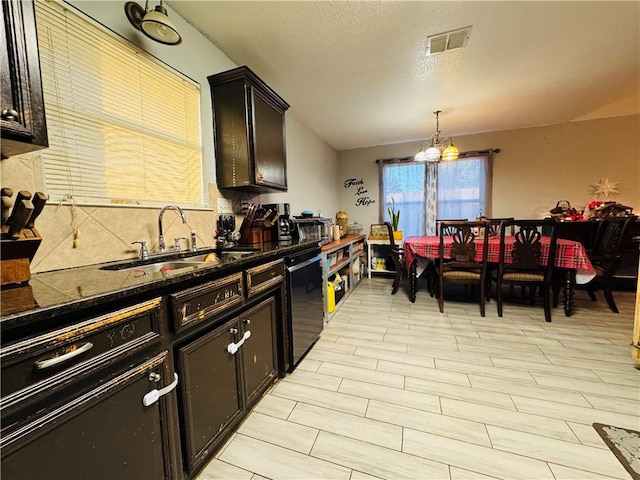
[
  {"x": 254, "y": 231},
  {"x": 16, "y": 255}
]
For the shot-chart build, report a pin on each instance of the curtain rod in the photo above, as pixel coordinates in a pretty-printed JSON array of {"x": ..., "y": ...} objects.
[{"x": 472, "y": 153}]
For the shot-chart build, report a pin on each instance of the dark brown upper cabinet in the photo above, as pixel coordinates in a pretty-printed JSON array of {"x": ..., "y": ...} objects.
[
  {"x": 249, "y": 132},
  {"x": 22, "y": 119}
]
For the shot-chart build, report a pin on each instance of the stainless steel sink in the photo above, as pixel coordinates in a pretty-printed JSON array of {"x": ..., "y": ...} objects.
[
  {"x": 224, "y": 256},
  {"x": 170, "y": 263},
  {"x": 163, "y": 267}
]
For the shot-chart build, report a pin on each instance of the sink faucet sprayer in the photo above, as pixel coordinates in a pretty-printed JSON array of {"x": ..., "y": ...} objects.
[{"x": 161, "y": 245}]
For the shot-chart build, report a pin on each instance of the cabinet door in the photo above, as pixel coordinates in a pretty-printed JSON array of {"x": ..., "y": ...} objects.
[
  {"x": 106, "y": 433},
  {"x": 210, "y": 391},
  {"x": 268, "y": 138},
  {"x": 259, "y": 351},
  {"x": 22, "y": 118}
]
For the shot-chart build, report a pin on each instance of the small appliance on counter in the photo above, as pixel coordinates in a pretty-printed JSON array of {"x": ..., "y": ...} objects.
[
  {"x": 313, "y": 228},
  {"x": 283, "y": 226}
]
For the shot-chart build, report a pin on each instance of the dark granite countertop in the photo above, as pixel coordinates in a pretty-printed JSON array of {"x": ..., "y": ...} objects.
[{"x": 58, "y": 292}]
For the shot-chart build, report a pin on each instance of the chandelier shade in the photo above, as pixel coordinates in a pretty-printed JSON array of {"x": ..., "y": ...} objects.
[{"x": 437, "y": 149}]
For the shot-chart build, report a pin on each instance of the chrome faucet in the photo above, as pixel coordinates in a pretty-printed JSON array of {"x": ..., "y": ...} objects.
[{"x": 161, "y": 245}]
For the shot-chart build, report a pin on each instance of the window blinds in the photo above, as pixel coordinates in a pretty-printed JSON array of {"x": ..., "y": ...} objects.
[{"x": 123, "y": 127}]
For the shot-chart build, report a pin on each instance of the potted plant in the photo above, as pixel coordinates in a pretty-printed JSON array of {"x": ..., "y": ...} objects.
[{"x": 394, "y": 218}]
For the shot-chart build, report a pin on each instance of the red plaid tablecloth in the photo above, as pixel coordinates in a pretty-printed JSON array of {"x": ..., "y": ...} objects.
[{"x": 569, "y": 254}]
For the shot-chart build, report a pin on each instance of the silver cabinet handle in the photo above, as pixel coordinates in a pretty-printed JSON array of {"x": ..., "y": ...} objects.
[
  {"x": 232, "y": 348},
  {"x": 152, "y": 397},
  {"x": 50, "y": 362}
]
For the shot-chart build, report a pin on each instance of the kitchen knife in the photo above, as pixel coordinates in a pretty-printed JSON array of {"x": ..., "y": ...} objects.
[
  {"x": 20, "y": 216},
  {"x": 7, "y": 203},
  {"x": 6, "y": 192},
  {"x": 22, "y": 195},
  {"x": 39, "y": 200}
]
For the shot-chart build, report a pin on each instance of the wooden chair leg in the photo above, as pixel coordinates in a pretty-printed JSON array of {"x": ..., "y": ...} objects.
[
  {"x": 396, "y": 282},
  {"x": 430, "y": 273},
  {"x": 499, "y": 298},
  {"x": 441, "y": 296},
  {"x": 608, "y": 295},
  {"x": 556, "y": 292},
  {"x": 547, "y": 304},
  {"x": 482, "y": 299},
  {"x": 591, "y": 292},
  {"x": 487, "y": 290},
  {"x": 532, "y": 294}
]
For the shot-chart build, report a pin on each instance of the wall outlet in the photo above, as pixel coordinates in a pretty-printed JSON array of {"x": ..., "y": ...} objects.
[{"x": 225, "y": 206}]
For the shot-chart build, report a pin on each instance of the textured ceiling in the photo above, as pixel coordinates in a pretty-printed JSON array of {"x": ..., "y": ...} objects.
[{"x": 355, "y": 71}]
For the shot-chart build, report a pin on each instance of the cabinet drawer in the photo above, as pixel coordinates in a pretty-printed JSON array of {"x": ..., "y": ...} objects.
[
  {"x": 46, "y": 363},
  {"x": 264, "y": 277},
  {"x": 201, "y": 302}
]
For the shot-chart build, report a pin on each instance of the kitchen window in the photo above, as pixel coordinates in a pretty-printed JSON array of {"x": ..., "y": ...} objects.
[
  {"x": 124, "y": 128},
  {"x": 425, "y": 191}
]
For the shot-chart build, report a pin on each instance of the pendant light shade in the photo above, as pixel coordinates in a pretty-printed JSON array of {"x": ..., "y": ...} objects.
[
  {"x": 437, "y": 150},
  {"x": 155, "y": 24}
]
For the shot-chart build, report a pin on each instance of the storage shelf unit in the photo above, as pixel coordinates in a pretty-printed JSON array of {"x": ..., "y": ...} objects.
[
  {"x": 374, "y": 246},
  {"x": 347, "y": 253}
]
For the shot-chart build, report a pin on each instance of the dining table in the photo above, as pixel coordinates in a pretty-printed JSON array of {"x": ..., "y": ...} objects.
[{"x": 571, "y": 259}]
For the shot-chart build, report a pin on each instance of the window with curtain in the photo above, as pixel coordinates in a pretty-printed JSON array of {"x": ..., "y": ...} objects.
[
  {"x": 426, "y": 191},
  {"x": 124, "y": 128}
]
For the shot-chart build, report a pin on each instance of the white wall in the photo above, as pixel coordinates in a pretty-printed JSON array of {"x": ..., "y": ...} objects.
[{"x": 535, "y": 168}]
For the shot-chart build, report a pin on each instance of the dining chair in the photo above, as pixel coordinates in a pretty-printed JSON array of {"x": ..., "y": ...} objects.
[
  {"x": 521, "y": 262},
  {"x": 605, "y": 257},
  {"x": 494, "y": 225},
  {"x": 430, "y": 272},
  {"x": 466, "y": 264},
  {"x": 397, "y": 256},
  {"x": 449, "y": 230}
]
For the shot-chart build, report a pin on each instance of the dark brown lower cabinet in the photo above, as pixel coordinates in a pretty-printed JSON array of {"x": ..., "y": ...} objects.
[
  {"x": 210, "y": 391},
  {"x": 104, "y": 433},
  {"x": 259, "y": 352},
  {"x": 223, "y": 372}
]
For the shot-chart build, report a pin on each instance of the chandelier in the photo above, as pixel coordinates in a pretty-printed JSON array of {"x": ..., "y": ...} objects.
[{"x": 437, "y": 150}]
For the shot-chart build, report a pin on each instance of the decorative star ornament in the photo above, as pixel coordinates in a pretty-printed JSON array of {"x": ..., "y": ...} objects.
[{"x": 605, "y": 188}]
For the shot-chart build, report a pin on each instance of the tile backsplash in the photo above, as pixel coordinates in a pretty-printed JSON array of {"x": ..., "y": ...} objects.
[{"x": 105, "y": 233}]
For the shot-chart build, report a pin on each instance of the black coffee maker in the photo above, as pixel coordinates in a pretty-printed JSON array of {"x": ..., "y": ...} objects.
[{"x": 283, "y": 228}]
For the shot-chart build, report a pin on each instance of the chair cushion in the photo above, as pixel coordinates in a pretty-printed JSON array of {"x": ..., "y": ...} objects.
[
  {"x": 461, "y": 274},
  {"x": 523, "y": 276}
]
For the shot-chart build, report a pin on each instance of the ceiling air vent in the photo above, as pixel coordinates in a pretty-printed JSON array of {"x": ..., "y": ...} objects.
[{"x": 448, "y": 40}]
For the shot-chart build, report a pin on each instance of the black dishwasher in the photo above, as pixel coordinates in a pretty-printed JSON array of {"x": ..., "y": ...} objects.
[{"x": 304, "y": 302}]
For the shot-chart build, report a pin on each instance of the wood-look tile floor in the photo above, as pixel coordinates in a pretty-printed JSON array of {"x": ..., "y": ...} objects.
[{"x": 398, "y": 390}]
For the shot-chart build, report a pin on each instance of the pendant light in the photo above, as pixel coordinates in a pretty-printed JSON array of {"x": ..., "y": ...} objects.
[
  {"x": 437, "y": 150},
  {"x": 155, "y": 24}
]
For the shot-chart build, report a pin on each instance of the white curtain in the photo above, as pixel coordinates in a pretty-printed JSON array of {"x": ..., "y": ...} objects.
[
  {"x": 431, "y": 198},
  {"x": 464, "y": 188}
]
